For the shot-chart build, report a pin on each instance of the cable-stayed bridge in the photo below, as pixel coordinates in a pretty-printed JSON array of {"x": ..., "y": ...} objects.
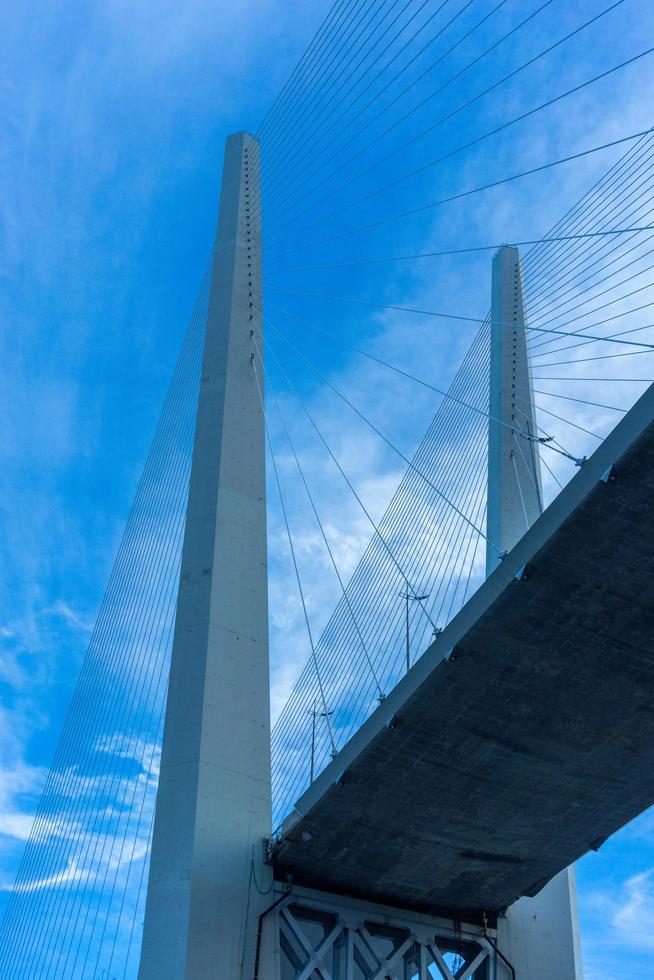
[{"x": 475, "y": 712}]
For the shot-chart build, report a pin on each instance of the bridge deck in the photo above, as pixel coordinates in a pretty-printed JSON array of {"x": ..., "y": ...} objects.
[{"x": 534, "y": 742}]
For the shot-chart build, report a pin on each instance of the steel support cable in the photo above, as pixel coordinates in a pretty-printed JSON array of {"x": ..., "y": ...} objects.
[
  {"x": 131, "y": 805},
  {"x": 466, "y": 562},
  {"x": 460, "y": 545},
  {"x": 599, "y": 357},
  {"x": 326, "y": 381},
  {"x": 295, "y": 565},
  {"x": 449, "y": 252},
  {"x": 642, "y": 137},
  {"x": 111, "y": 779},
  {"x": 411, "y": 377},
  {"x": 469, "y": 319},
  {"x": 320, "y": 434},
  {"x": 332, "y": 658},
  {"x": 143, "y": 727},
  {"x": 457, "y": 251},
  {"x": 470, "y": 571},
  {"x": 522, "y": 499},
  {"x": 582, "y": 401},
  {"x": 70, "y": 732},
  {"x": 565, "y": 308},
  {"x": 645, "y": 381},
  {"x": 390, "y": 185},
  {"x": 586, "y": 339},
  {"x": 434, "y": 574},
  {"x": 594, "y": 201},
  {"x": 319, "y": 155},
  {"x": 145, "y": 863},
  {"x": 575, "y": 302},
  {"x": 593, "y": 207},
  {"x": 316, "y": 515},
  {"x": 307, "y": 88},
  {"x": 575, "y": 425},
  {"x": 304, "y": 133},
  {"x": 60, "y": 790},
  {"x": 530, "y": 466},
  {"x": 329, "y": 384},
  {"x": 539, "y": 428},
  {"x": 363, "y": 150},
  {"x": 570, "y": 266},
  {"x": 143, "y": 499},
  {"x": 615, "y": 338},
  {"x": 646, "y": 326},
  {"x": 572, "y": 218},
  {"x": 626, "y": 200},
  {"x": 491, "y": 185},
  {"x": 399, "y": 646},
  {"x": 295, "y": 78},
  {"x": 355, "y": 83},
  {"x": 408, "y": 477},
  {"x": 132, "y": 858},
  {"x": 296, "y": 130},
  {"x": 108, "y": 780},
  {"x": 572, "y": 263},
  {"x": 438, "y": 582},
  {"x": 606, "y": 199},
  {"x": 145, "y": 857},
  {"x": 364, "y": 699},
  {"x": 135, "y": 712},
  {"x": 370, "y": 19},
  {"x": 582, "y": 288},
  {"x": 443, "y": 119},
  {"x": 591, "y": 235},
  {"x": 545, "y": 267},
  {"x": 373, "y": 101},
  {"x": 94, "y": 646},
  {"x": 552, "y": 474},
  {"x": 539, "y": 263},
  {"x": 611, "y": 338},
  {"x": 527, "y": 421}
]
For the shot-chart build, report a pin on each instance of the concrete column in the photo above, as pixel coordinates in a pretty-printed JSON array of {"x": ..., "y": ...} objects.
[
  {"x": 515, "y": 497},
  {"x": 540, "y": 935},
  {"x": 214, "y": 799}
]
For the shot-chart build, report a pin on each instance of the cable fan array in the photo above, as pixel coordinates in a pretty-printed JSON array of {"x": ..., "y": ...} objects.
[{"x": 405, "y": 127}]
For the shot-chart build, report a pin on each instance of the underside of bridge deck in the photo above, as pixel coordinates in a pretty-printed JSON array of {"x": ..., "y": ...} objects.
[{"x": 487, "y": 771}]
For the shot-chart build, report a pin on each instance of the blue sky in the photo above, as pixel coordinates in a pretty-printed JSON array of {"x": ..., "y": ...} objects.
[{"x": 114, "y": 116}]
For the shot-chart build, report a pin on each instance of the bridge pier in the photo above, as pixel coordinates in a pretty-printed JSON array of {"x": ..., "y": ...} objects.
[{"x": 540, "y": 935}]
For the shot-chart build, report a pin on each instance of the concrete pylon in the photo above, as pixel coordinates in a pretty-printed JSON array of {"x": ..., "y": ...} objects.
[
  {"x": 515, "y": 497},
  {"x": 214, "y": 798},
  {"x": 540, "y": 935}
]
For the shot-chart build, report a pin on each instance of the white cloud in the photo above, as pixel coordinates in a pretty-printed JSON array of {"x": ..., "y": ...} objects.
[{"x": 633, "y": 912}]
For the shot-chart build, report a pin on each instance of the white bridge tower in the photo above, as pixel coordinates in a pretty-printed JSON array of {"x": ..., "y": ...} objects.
[{"x": 540, "y": 935}]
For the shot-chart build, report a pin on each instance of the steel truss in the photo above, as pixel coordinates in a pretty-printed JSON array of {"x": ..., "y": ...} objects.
[{"x": 316, "y": 936}]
